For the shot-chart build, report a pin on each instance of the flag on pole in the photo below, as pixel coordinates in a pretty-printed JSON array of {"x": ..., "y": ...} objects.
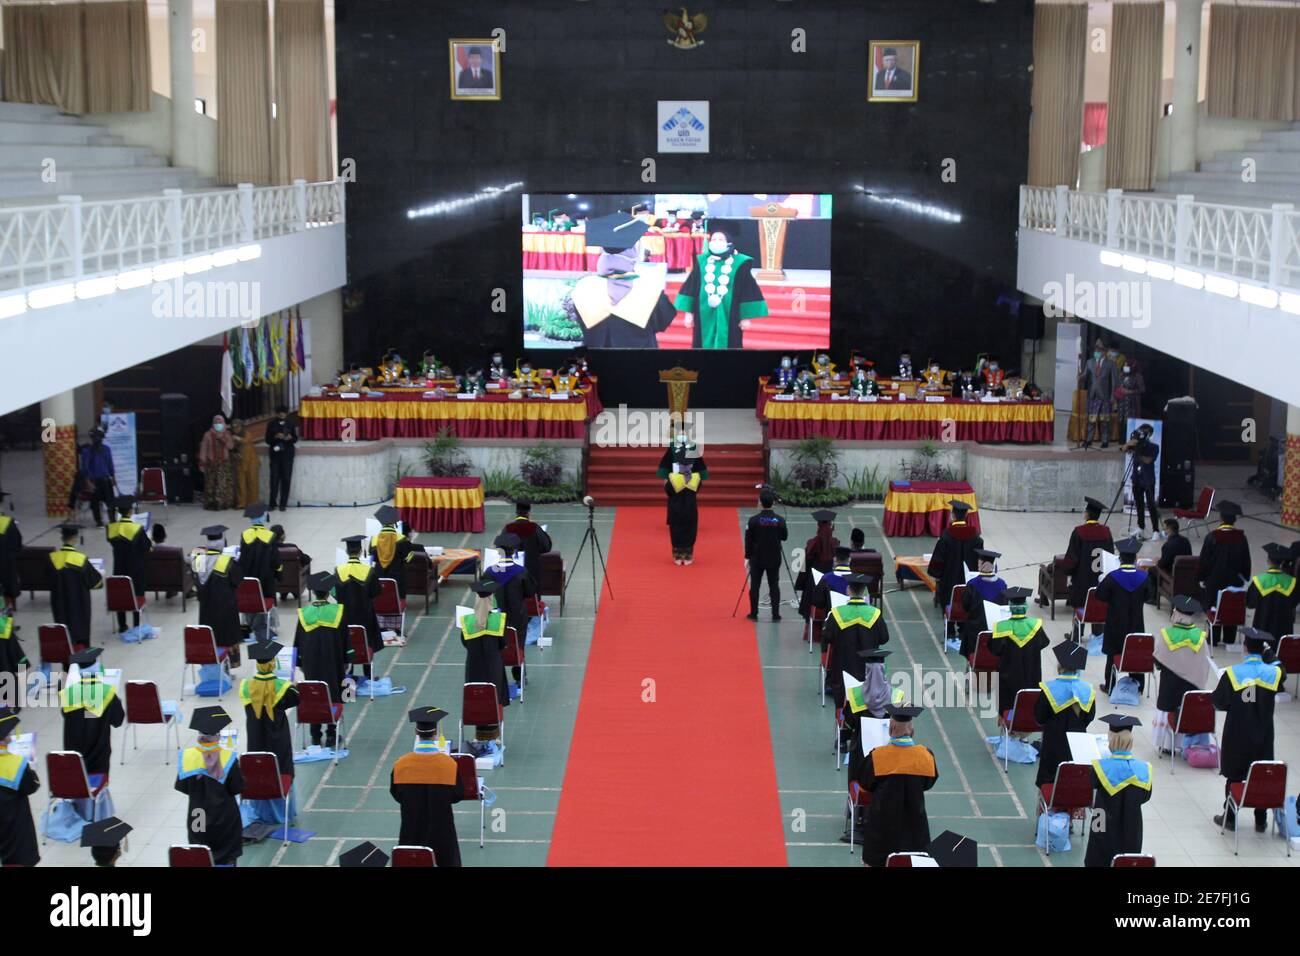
[{"x": 227, "y": 375}]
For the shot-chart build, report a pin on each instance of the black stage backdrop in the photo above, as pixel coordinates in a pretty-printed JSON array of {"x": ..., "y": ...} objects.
[{"x": 917, "y": 261}]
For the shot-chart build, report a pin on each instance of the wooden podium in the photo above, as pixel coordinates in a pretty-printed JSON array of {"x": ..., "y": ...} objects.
[
  {"x": 679, "y": 381},
  {"x": 772, "y": 221}
]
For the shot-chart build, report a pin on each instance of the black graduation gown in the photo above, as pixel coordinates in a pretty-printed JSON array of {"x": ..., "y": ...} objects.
[
  {"x": 845, "y": 644},
  {"x": 1248, "y": 724},
  {"x": 12, "y": 657},
  {"x": 74, "y": 578},
  {"x": 11, "y": 543},
  {"x": 1072, "y": 719},
  {"x": 1224, "y": 563},
  {"x": 218, "y": 606},
  {"x": 483, "y": 662},
  {"x": 356, "y": 585},
  {"x": 534, "y": 542},
  {"x": 259, "y": 557},
  {"x": 402, "y": 549},
  {"x": 1275, "y": 611},
  {"x": 683, "y": 515},
  {"x": 425, "y": 785},
  {"x": 271, "y": 733},
  {"x": 1081, "y": 560},
  {"x": 91, "y": 736},
  {"x": 817, "y": 557},
  {"x": 617, "y": 332},
  {"x": 1124, "y": 593},
  {"x": 324, "y": 652},
  {"x": 212, "y": 817},
  {"x": 130, "y": 543},
  {"x": 18, "y": 846},
  {"x": 516, "y": 587},
  {"x": 954, "y": 554},
  {"x": 895, "y": 821},
  {"x": 978, "y": 590},
  {"x": 1123, "y": 822},
  {"x": 1019, "y": 667}
]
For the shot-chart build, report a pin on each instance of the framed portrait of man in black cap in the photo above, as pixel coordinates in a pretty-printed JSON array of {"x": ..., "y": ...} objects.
[
  {"x": 894, "y": 65},
  {"x": 475, "y": 70}
]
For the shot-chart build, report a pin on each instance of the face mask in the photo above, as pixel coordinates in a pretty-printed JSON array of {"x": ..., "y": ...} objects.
[
  {"x": 935, "y": 368},
  {"x": 496, "y": 360},
  {"x": 785, "y": 363},
  {"x": 718, "y": 246},
  {"x": 1127, "y": 369},
  {"x": 526, "y": 370},
  {"x": 993, "y": 366},
  {"x": 1097, "y": 356},
  {"x": 218, "y": 427}
]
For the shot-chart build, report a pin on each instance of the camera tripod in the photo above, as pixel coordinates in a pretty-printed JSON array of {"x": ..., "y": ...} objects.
[{"x": 590, "y": 536}]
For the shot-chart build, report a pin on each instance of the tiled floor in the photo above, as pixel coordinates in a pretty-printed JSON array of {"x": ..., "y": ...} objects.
[{"x": 350, "y": 801}]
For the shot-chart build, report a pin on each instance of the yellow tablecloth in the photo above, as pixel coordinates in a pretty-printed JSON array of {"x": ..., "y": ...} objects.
[
  {"x": 395, "y": 416},
  {"x": 438, "y": 497},
  {"x": 911, "y": 502},
  {"x": 912, "y": 411}
]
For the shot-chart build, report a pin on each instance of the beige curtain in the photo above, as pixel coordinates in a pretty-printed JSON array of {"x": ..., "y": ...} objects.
[
  {"x": 118, "y": 77},
  {"x": 44, "y": 57},
  {"x": 1252, "y": 71},
  {"x": 1136, "y": 50},
  {"x": 243, "y": 92},
  {"x": 1056, "y": 118},
  {"x": 302, "y": 129}
]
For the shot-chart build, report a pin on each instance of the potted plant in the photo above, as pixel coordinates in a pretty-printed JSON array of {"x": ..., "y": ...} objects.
[
  {"x": 444, "y": 456},
  {"x": 815, "y": 464}
]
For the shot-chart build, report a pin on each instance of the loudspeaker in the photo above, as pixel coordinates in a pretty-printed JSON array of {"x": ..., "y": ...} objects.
[
  {"x": 174, "y": 428},
  {"x": 1178, "y": 456},
  {"x": 1032, "y": 323}
]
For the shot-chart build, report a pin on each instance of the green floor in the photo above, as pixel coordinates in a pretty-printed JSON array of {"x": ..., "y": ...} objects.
[{"x": 350, "y": 802}]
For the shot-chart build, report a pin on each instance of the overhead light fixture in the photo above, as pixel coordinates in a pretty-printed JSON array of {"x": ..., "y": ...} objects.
[
  {"x": 197, "y": 264},
  {"x": 1160, "y": 270},
  {"x": 1221, "y": 285},
  {"x": 1287, "y": 302},
  {"x": 249, "y": 253},
  {"x": 134, "y": 278},
  {"x": 168, "y": 271},
  {"x": 11, "y": 305},
  {"x": 225, "y": 257},
  {"x": 93, "y": 288},
  {"x": 1109, "y": 257},
  {"x": 461, "y": 202},
  {"x": 52, "y": 295},
  {"x": 1258, "y": 295},
  {"x": 1134, "y": 264},
  {"x": 1189, "y": 277}
]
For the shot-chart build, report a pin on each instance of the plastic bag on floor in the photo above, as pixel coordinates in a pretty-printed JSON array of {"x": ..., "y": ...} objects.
[
  {"x": 314, "y": 754},
  {"x": 1094, "y": 645},
  {"x": 1013, "y": 749},
  {"x": 535, "y": 627},
  {"x": 63, "y": 823},
  {"x": 383, "y": 687},
  {"x": 212, "y": 681},
  {"x": 953, "y": 644},
  {"x": 1285, "y": 823},
  {"x": 268, "y": 811},
  {"x": 1125, "y": 693},
  {"x": 1053, "y": 832}
]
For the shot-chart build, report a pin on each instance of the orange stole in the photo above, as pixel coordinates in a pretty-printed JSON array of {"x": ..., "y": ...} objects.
[
  {"x": 425, "y": 769},
  {"x": 916, "y": 761}
]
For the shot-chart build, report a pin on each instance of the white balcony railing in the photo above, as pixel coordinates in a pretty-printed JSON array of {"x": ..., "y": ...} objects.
[
  {"x": 73, "y": 240},
  {"x": 1257, "y": 246}
]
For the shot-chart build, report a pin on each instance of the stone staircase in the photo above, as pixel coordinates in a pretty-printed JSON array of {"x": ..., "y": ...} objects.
[
  {"x": 88, "y": 160},
  {"x": 1277, "y": 173}
]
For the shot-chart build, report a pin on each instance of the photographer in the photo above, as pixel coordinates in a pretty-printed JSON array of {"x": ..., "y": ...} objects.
[{"x": 1144, "y": 452}]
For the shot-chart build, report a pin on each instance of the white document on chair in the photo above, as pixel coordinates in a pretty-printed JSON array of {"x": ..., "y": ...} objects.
[
  {"x": 142, "y": 519},
  {"x": 373, "y": 527},
  {"x": 816, "y": 576},
  {"x": 995, "y": 612},
  {"x": 491, "y": 557},
  {"x": 286, "y": 662},
  {"x": 24, "y": 745},
  {"x": 1085, "y": 748},
  {"x": 875, "y": 733},
  {"x": 113, "y": 678},
  {"x": 838, "y": 599}
]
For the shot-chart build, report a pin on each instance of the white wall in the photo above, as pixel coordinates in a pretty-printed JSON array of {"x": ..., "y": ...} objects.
[
  {"x": 97, "y": 337},
  {"x": 323, "y": 316},
  {"x": 153, "y": 129}
]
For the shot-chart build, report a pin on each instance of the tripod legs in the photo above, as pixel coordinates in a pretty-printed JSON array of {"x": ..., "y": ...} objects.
[{"x": 596, "y": 552}]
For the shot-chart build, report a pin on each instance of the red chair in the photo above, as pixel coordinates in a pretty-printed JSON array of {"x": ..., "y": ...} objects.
[
  {"x": 1138, "y": 656},
  {"x": 1288, "y": 655},
  {"x": 1263, "y": 789},
  {"x": 1196, "y": 715},
  {"x": 513, "y": 656},
  {"x": 144, "y": 706},
  {"x": 362, "y": 652},
  {"x": 954, "y": 613},
  {"x": 1201, "y": 513},
  {"x": 412, "y": 856},
  {"x": 823, "y": 667},
  {"x": 1070, "y": 792},
  {"x": 983, "y": 661},
  {"x": 1022, "y": 721},
  {"x": 249, "y": 598},
  {"x": 200, "y": 651},
  {"x": 480, "y": 707},
  {"x": 858, "y": 799},
  {"x": 316, "y": 707},
  {"x": 1122, "y": 860},
  {"x": 119, "y": 592},
  {"x": 390, "y": 603},
  {"x": 153, "y": 486},
  {"x": 264, "y": 781},
  {"x": 65, "y": 775},
  {"x": 905, "y": 859},
  {"x": 56, "y": 645},
  {"x": 1229, "y": 611},
  {"x": 1092, "y": 612},
  {"x": 839, "y": 731},
  {"x": 467, "y": 777},
  {"x": 189, "y": 855}
]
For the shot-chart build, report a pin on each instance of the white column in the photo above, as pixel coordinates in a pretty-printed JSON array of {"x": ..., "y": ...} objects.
[
  {"x": 180, "y": 39},
  {"x": 1187, "y": 62}
]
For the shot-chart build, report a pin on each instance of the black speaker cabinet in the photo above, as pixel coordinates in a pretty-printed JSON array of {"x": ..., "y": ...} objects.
[
  {"x": 1178, "y": 456},
  {"x": 174, "y": 428}
]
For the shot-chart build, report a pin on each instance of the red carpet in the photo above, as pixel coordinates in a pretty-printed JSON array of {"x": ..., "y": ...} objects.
[{"x": 687, "y": 780}]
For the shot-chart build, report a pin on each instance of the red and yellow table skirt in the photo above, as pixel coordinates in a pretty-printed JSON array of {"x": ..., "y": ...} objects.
[
  {"x": 441, "y": 504},
  {"x": 950, "y": 420},
  {"x": 397, "y": 416},
  {"x": 569, "y": 252},
  {"x": 913, "y": 567},
  {"x": 922, "y": 507}
]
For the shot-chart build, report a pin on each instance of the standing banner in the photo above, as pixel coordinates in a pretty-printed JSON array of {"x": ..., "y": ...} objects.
[{"x": 119, "y": 429}]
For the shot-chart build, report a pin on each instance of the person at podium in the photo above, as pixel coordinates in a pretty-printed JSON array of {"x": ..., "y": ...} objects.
[{"x": 721, "y": 296}]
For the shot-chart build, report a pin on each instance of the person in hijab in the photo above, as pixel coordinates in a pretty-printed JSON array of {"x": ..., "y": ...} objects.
[
  {"x": 244, "y": 464},
  {"x": 483, "y": 635},
  {"x": 720, "y": 297},
  {"x": 1182, "y": 657},
  {"x": 819, "y": 556},
  {"x": 267, "y": 700},
  {"x": 616, "y": 306},
  {"x": 217, "y": 576},
  {"x": 216, "y": 463},
  {"x": 390, "y": 550},
  {"x": 130, "y": 544},
  {"x": 324, "y": 651},
  {"x": 91, "y": 709},
  {"x": 1121, "y": 785},
  {"x": 208, "y": 774},
  {"x": 1067, "y": 704},
  {"x": 18, "y": 781}
]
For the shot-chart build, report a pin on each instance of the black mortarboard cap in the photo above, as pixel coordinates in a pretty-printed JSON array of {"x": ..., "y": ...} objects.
[
  {"x": 426, "y": 718},
  {"x": 1128, "y": 546},
  {"x": 1255, "y": 634},
  {"x": 1228, "y": 509},
  {"x": 69, "y": 530},
  {"x": 616, "y": 231},
  {"x": 256, "y": 510},
  {"x": 984, "y": 554},
  {"x": 953, "y": 849},
  {"x": 1017, "y": 595},
  {"x": 124, "y": 503},
  {"x": 843, "y": 552},
  {"x": 823, "y": 515},
  {"x": 364, "y": 854},
  {"x": 1093, "y": 504},
  {"x": 959, "y": 506},
  {"x": 214, "y": 532},
  {"x": 1187, "y": 604},
  {"x": 484, "y": 588},
  {"x": 320, "y": 581},
  {"x": 353, "y": 540},
  {"x": 1277, "y": 553},
  {"x": 1071, "y": 656},
  {"x": 87, "y": 657},
  {"x": 264, "y": 650},
  {"x": 899, "y": 712},
  {"x": 507, "y": 540},
  {"x": 858, "y": 580},
  {"x": 1120, "y": 721},
  {"x": 387, "y": 514},
  {"x": 209, "y": 721},
  {"x": 108, "y": 832}
]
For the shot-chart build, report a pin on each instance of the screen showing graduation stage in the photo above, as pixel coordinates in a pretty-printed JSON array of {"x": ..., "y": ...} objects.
[{"x": 677, "y": 271}]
